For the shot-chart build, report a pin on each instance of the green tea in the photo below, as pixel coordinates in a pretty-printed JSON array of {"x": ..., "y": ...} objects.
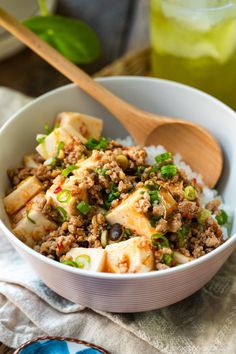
[{"x": 196, "y": 46}]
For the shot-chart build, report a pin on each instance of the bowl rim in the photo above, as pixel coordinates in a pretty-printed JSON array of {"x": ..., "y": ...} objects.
[{"x": 111, "y": 276}]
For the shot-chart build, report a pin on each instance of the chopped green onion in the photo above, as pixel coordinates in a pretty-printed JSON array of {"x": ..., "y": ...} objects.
[
  {"x": 91, "y": 143},
  {"x": 182, "y": 236},
  {"x": 94, "y": 144},
  {"x": 68, "y": 170},
  {"x": 57, "y": 125},
  {"x": 53, "y": 161},
  {"x": 40, "y": 138},
  {"x": 168, "y": 171},
  {"x": 55, "y": 158},
  {"x": 168, "y": 258},
  {"x": 154, "y": 196},
  {"x": 140, "y": 170},
  {"x": 159, "y": 241},
  {"x": 83, "y": 207},
  {"x": 189, "y": 193},
  {"x": 64, "y": 196},
  {"x": 63, "y": 216},
  {"x": 101, "y": 171},
  {"x": 154, "y": 169},
  {"x": 104, "y": 235},
  {"x": 29, "y": 218},
  {"x": 60, "y": 147},
  {"x": 127, "y": 233},
  {"x": 83, "y": 261},
  {"x": 154, "y": 219},
  {"x": 70, "y": 263},
  {"x": 114, "y": 194},
  {"x": 163, "y": 157},
  {"x": 222, "y": 218},
  {"x": 203, "y": 216},
  {"x": 47, "y": 129},
  {"x": 152, "y": 187}
]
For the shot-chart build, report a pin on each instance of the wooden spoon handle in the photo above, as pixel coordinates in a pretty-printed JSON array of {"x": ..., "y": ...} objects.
[{"x": 114, "y": 104}]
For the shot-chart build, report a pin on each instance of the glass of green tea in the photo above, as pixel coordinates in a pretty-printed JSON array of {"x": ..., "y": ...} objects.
[{"x": 194, "y": 42}]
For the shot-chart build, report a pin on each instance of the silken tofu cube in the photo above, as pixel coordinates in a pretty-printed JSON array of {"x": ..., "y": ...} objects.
[
  {"x": 25, "y": 190},
  {"x": 127, "y": 215},
  {"x": 179, "y": 258},
  {"x": 90, "y": 163},
  {"x": 29, "y": 161},
  {"x": 132, "y": 256},
  {"x": 48, "y": 148},
  {"x": 36, "y": 203},
  {"x": 66, "y": 194},
  {"x": 31, "y": 228},
  {"x": 95, "y": 258},
  {"x": 84, "y": 124},
  {"x": 167, "y": 201}
]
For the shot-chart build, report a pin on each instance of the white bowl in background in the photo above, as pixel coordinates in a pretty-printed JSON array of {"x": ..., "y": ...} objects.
[
  {"x": 22, "y": 9},
  {"x": 123, "y": 292}
]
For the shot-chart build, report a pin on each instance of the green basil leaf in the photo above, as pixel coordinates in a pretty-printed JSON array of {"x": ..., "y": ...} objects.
[{"x": 71, "y": 37}]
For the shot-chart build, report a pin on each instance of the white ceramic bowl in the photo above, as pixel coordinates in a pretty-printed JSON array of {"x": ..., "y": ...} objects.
[{"x": 125, "y": 292}]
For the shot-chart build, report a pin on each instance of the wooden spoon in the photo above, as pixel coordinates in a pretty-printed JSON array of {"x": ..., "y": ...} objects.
[{"x": 197, "y": 146}]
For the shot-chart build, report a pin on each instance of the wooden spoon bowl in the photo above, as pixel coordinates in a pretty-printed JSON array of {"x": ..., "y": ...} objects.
[
  {"x": 202, "y": 153},
  {"x": 198, "y": 147}
]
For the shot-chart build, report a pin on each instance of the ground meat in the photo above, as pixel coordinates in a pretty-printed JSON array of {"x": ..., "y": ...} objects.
[
  {"x": 75, "y": 223},
  {"x": 19, "y": 174},
  {"x": 74, "y": 152},
  {"x": 212, "y": 241},
  {"x": 64, "y": 244},
  {"x": 49, "y": 211},
  {"x": 187, "y": 208},
  {"x": 204, "y": 241},
  {"x": 198, "y": 251},
  {"x": 97, "y": 225},
  {"x": 137, "y": 155},
  {"x": 159, "y": 254},
  {"x": 162, "y": 226},
  {"x": 143, "y": 204},
  {"x": 46, "y": 175},
  {"x": 175, "y": 224},
  {"x": 107, "y": 183},
  {"x": 213, "y": 205},
  {"x": 183, "y": 175},
  {"x": 38, "y": 158},
  {"x": 158, "y": 210}
]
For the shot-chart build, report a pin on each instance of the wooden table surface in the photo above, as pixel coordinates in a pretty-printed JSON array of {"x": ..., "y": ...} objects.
[{"x": 121, "y": 26}]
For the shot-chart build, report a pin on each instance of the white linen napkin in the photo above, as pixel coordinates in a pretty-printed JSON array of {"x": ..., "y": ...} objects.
[{"x": 204, "y": 323}]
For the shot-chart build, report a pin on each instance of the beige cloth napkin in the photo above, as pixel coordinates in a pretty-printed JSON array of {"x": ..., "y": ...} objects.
[{"x": 202, "y": 324}]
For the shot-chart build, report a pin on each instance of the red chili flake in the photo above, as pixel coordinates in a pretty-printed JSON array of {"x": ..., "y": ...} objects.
[
  {"x": 188, "y": 216},
  {"x": 57, "y": 190},
  {"x": 60, "y": 247},
  {"x": 82, "y": 128}
]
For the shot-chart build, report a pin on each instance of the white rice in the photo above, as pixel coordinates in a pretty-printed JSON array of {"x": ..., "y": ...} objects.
[{"x": 207, "y": 194}]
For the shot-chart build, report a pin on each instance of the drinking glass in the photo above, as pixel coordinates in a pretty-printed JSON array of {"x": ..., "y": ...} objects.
[{"x": 194, "y": 42}]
